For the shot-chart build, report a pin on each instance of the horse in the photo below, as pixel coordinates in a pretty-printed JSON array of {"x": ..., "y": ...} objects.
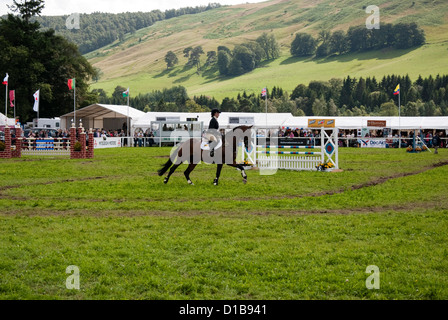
[{"x": 190, "y": 151}]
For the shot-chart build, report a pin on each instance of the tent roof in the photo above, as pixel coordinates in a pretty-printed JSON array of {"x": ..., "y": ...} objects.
[
  {"x": 273, "y": 120},
  {"x": 361, "y": 122},
  {"x": 101, "y": 111},
  {"x": 5, "y": 121}
]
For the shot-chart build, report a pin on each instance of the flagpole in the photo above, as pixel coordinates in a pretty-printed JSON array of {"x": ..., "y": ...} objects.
[
  {"x": 266, "y": 99},
  {"x": 74, "y": 102},
  {"x": 399, "y": 118},
  {"x": 128, "y": 133},
  {"x": 15, "y": 102},
  {"x": 6, "y": 101}
]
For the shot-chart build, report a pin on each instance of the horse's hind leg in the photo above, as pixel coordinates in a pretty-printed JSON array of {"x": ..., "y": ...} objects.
[
  {"x": 173, "y": 168},
  {"x": 188, "y": 171}
]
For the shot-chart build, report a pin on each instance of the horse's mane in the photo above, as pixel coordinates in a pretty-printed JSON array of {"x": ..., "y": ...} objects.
[{"x": 243, "y": 127}]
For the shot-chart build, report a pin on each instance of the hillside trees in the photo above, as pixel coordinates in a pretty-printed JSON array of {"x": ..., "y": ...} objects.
[
  {"x": 171, "y": 59},
  {"x": 195, "y": 57},
  {"x": 268, "y": 43},
  {"x": 247, "y": 56},
  {"x": 338, "y": 43},
  {"x": 224, "y": 58},
  {"x": 358, "y": 39},
  {"x": 324, "y": 48},
  {"x": 211, "y": 58},
  {"x": 303, "y": 45}
]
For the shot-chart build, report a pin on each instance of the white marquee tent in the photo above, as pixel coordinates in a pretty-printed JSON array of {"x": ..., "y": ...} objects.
[
  {"x": 98, "y": 116},
  {"x": 5, "y": 121}
]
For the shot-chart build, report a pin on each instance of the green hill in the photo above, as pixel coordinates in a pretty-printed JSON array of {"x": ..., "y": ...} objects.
[
  {"x": 138, "y": 61},
  {"x": 99, "y": 29}
]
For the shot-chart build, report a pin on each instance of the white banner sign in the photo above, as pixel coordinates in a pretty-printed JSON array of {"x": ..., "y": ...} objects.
[
  {"x": 372, "y": 143},
  {"x": 101, "y": 143}
]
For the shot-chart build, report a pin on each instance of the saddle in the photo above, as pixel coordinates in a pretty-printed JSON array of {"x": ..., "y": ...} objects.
[{"x": 205, "y": 145}]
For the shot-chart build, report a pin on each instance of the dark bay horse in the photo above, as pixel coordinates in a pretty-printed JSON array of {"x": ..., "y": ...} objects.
[{"x": 190, "y": 151}]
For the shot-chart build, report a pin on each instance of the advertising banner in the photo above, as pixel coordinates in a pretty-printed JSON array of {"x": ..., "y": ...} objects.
[
  {"x": 372, "y": 143},
  {"x": 45, "y": 145},
  {"x": 318, "y": 123},
  {"x": 376, "y": 123},
  {"x": 101, "y": 143}
]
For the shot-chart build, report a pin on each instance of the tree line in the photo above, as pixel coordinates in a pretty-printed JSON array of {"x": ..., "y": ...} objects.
[
  {"x": 41, "y": 60},
  {"x": 336, "y": 97},
  {"x": 100, "y": 29},
  {"x": 358, "y": 39}
]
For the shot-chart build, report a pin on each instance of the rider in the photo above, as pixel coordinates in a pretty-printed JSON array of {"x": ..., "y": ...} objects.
[{"x": 213, "y": 134}]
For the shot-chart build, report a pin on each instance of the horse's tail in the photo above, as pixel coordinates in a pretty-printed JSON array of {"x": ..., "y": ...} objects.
[
  {"x": 168, "y": 164},
  {"x": 165, "y": 167}
]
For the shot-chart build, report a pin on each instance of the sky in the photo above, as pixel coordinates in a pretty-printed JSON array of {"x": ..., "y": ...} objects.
[{"x": 66, "y": 7}]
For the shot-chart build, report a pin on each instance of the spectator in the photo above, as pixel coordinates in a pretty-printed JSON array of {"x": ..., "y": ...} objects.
[
  {"x": 436, "y": 143},
  {"x": 135, "y": 139},
  {"x": 151, "y": 139},
  {"x": 140, "y": 138}
]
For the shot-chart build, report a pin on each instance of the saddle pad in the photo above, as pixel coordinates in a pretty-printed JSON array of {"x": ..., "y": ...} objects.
[{"x": 206, "y": 147}]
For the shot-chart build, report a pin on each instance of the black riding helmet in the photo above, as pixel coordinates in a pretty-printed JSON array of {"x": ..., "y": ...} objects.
[{"x": 215, "y": 111}]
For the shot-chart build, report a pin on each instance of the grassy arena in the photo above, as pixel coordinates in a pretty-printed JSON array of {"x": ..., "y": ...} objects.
[{"x": 292, "y": 235}]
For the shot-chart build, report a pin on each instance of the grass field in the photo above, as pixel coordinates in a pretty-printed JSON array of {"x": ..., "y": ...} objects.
[{"x": 292, "y": 235}]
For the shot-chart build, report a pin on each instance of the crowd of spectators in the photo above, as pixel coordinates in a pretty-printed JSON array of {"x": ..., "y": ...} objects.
[
  {"x": 347, "y": 138},
  {"x": 46, "y": 133},
  {"x": 296, "y": 133}
]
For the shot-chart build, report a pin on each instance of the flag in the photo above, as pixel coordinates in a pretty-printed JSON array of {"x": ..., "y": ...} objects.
[
  {"x": 12, "y": 96},
  {"x": 5, "y": 81},
  {"x": 126, "y": 93},
  {"x": 397, "y": 90},
  {"x": 263, "y": 92},
  {"x": 71, "y": 83},
  {"x": 36, "y": 101}
]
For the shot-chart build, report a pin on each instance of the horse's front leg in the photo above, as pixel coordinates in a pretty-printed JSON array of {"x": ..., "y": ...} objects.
[
  {"x": 241, "y": 168},
  {"x": 218, "y": 174}
]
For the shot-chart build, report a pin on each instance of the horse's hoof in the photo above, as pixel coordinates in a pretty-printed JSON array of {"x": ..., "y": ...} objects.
[
  {"x": 244, "y": 181},
  {"x": 165, "y": 181},
  {"x": 190, "y": 183},
  {"x": 215, "y": 182}
]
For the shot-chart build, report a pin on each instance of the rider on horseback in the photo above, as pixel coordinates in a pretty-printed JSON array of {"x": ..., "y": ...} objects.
[{"x": 212, "y": 133}]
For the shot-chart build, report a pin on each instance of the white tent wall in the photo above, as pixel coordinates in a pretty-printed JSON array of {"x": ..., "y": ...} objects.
[{"x": 5, "y": 121}]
